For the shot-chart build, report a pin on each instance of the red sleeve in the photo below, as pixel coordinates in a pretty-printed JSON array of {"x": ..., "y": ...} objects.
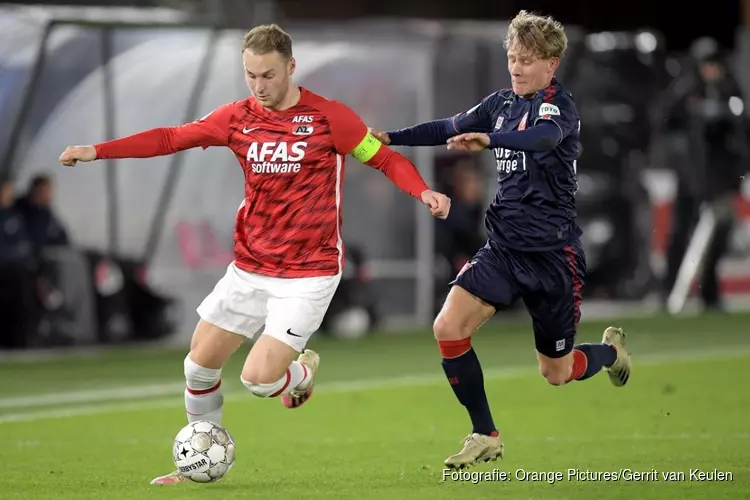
[
  {"x": 211, "y": 130},
  {"x": 348, "y": 131}
]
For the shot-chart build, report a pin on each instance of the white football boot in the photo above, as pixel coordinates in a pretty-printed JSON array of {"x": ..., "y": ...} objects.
[
  {"x": 298, "y": 397},
  {"x": 477, "y": 448},
  {"x": 619, "y": 372}
]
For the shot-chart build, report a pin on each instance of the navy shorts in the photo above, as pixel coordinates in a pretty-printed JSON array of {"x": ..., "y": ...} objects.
[{"x": 549, "y": 283}]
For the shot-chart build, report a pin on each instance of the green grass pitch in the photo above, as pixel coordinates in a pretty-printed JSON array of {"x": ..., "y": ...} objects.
[{"x": 383, "y": 419}]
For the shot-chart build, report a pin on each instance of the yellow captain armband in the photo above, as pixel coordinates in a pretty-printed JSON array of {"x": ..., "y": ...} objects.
[{"x": 365, "y": 150}]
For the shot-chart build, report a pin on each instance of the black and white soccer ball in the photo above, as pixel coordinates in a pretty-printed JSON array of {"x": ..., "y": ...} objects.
[{"x": 203, "y": 451}]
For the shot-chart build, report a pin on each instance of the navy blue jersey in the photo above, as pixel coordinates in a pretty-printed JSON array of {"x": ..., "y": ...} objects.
[{"x": 534, "y": 208}]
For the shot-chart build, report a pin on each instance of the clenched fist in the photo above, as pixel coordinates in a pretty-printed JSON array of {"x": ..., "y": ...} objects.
[
  {"x": 440, "y": 205},
  {"x": 74, "y": 154}
]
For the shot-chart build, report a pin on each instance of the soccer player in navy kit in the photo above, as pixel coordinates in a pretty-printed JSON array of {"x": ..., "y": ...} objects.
[{"x": 533, "y": 250}]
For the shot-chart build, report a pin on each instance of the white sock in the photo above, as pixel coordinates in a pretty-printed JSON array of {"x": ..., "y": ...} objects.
[
  {"x": 297, "y": 376},
  {"x": 203, "y": 397},
  {"x": 300, "y": 375}
]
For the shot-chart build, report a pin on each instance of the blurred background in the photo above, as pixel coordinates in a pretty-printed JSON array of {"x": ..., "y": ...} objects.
[{"x": 121, "y": 252}]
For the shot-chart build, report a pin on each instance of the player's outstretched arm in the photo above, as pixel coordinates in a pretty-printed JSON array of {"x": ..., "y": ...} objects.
[
  {"x": 351, "y": 137},
  {"x": 437, "y": 132},
  {"x": 543, "y": 137},
  {"x": 433, "y": 133},
  {"x": 401, "y": 172},
  {"x": 556, "y": 119},
  {"x": 211, "y": 130}
]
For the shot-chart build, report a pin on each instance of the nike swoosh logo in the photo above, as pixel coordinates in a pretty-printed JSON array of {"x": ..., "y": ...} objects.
[
  {"x": 248, "y": 130},
  {"x": 289, "y": 332}
]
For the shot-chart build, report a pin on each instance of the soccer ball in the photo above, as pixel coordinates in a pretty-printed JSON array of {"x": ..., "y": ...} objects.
[{"x": 203, "y": 451}]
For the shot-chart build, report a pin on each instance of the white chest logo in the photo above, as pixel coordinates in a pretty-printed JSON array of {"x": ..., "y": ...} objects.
[
  {"x": 276, "y": 151},
  {"x": 276, "y": 157}
]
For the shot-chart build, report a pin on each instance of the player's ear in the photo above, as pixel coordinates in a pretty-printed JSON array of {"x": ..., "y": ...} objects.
[
  {"x": 291, "y": 65},
  {"x": 554, "y": 63}
]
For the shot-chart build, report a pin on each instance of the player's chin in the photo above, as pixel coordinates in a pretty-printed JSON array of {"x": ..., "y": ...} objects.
[{"x": 266, "y": 100}]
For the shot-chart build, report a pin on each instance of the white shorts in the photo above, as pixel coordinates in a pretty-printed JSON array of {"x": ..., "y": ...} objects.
[{"x": 291, "y": 309}]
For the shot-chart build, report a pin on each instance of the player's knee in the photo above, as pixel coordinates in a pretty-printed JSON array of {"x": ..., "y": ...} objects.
[
  {"x": 447, "y": 328},
  {"x": 441, "y": 328},
  {"x": 262, "y": 381},
  {"x": 554, "y": 374},
  {"x": 555, "y": 378},
  {"x": 199, "y": 377},
  {"x": 265, "y": 389}
]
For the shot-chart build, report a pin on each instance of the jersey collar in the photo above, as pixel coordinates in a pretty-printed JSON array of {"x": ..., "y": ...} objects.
[{"x": 539, "y": 93}]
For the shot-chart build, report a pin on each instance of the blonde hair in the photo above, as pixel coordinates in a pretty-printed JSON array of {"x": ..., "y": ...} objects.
[
  {"x": 543, "y": 36},
  {"x": 268, "y": 38}
]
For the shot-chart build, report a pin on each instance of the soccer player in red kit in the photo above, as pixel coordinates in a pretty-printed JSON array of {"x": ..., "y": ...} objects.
[{"x": 291, "y": 144}]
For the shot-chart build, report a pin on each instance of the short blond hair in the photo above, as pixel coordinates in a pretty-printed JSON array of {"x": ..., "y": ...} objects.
[
  {"x": 543, "y": 36},
  {"x": 268, "y": 38}
]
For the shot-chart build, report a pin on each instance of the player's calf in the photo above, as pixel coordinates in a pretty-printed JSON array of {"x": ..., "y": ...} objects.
[
  {"x": 610, "y": 355},
  {"x": 464, "y": 373},
  {"x": 203, "y": 397},
  {"x": 461, "y": 315},
  {"x": 586, "y": 360},
  {"x": 210, "y": 348},
  {"x": 589, "y": 359},
  {"x": 271, "y": 369},
  {"x": 583, "y": 362}
]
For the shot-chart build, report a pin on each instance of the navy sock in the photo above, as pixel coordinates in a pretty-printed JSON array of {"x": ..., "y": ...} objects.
[
  {"x": 597, "y": 356},
  {"x": 467, "y": 381}
]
